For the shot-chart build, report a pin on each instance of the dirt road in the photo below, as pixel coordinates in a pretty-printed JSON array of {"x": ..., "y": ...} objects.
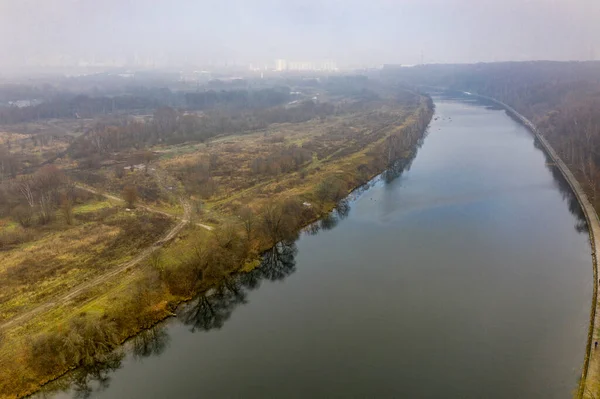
[
  {"x": 185, "y": 204},
  {"x": 66, "y": 297}
]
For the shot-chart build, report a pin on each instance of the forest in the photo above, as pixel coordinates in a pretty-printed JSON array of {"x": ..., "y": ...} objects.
[{"x": 67, "y": 105}]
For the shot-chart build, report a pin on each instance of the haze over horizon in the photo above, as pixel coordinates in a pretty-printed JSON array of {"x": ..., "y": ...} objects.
[{"x": 350, "y": 32}]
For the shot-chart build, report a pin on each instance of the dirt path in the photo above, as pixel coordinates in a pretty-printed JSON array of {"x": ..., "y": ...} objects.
[
  {"x": 186, "y": 206},
  {"x": 65, "y": 298}
]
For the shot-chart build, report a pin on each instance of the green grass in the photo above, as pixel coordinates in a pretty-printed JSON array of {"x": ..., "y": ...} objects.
[
  {"x": 170, "y": 152},
  {"x": 7, "y": 225},
  {"x": 91, "y": 207}
]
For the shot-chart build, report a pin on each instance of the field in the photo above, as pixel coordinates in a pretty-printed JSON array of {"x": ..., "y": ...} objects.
[
  {"x": 284, "y": 160},
  {"x": 135, "y": 232}
]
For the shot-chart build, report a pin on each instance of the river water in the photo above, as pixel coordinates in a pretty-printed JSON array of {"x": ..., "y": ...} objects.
[{"x": 466, "y": 276}]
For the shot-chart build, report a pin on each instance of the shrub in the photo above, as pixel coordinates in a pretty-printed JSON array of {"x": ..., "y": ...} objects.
[
  {"x": 331, "y": 189},
  {"x": 182, "y": 279},
  {"x": 15, "y": 237},
  {"x": 130, "y": 195},
  {"x": 23, "y": 215},
  {"x": 84, "y": 341}
]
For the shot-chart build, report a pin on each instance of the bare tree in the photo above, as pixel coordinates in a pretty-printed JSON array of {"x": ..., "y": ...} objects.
[
  {"x": 248, "y": 218},
  {"x": 45, "y": 208},
  {"x": 66, "y": 207},
  {"x": 25, "y": 185}
]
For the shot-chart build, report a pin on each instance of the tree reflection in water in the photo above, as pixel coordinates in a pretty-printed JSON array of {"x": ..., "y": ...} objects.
[
  {"x": 150, "y": 342},
  {"x": 85, "y": 380},
  {"x": 559, "y": 180},
  {"x": 564, "y": 188},
  {"x": 400, "y": 166},
  {"x": 96, "y": 377},
  {"x": 331, "y": 220},
  {"x": 211, "y": 310},
  {"x": 206, "y": 312}
]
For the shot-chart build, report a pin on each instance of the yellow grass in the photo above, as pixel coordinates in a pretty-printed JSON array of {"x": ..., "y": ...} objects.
[
  {"x": 75, "y": 251},
  {"x": 237, "y": 185}
]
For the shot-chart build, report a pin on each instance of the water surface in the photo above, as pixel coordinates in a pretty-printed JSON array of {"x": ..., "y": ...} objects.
[{"x": 467, "y": 276}]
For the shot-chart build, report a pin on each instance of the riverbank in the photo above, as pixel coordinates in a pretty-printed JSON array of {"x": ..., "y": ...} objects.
[
  {"x": 463, "y": 222},
  {"x": 174, "y": 274},
  {"x": 589, "y": 383}
]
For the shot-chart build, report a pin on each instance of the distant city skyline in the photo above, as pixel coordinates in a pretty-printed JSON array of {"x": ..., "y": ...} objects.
[
  {"x": 136, "y": 60},
  {"x": 352, "y": 33}
]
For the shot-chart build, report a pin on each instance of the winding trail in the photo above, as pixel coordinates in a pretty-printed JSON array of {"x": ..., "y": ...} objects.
[
  {"x": 184, "y": 203},
  {"x": 66, "y": 297}
]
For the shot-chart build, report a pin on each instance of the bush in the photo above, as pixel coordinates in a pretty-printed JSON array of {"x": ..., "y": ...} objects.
[
  {"x": 47, "y": 353},
  {"x": 23, "y": 215},
  {"x": 15, "y": 237},
  {"x": 280, "y": 221},
  {"x": 136, "y": 308},
  {"x": 130, "y": 195},
  {"x": 86, "y": 340},
  {"x": 181, "y": 280},
  {"x": 331, "y": 189}
]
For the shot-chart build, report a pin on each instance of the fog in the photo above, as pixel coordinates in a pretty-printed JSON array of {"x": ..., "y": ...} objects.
[{"x": 349, "y": 32}]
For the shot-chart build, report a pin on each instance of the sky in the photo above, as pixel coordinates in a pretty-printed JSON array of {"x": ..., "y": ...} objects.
[{"x": 350, "y": 32}]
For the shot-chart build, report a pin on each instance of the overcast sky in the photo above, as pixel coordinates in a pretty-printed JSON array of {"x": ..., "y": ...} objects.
[{"x": 257, "y": 31}]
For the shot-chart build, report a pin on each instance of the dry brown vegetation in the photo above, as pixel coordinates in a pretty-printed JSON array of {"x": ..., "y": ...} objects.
[
  {"x": 292, "y": 159},
  {"x": 258, "y": 187}
]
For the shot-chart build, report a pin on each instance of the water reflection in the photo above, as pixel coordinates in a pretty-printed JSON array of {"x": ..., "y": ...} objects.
[
  {"x": 208, "y": 311},
  {"x": 84, "y": 381},
  {"x": 400, "y": 166},
  {"x": 559, "y": 180},
  {"x": 331, "y": 220},
  {"x": 565, "y": 190},
  {"x": 150, "y": 342},
  {"x": 211, "y": 310}
]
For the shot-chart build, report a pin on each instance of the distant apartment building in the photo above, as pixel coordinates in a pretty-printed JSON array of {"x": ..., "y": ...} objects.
[
  {"x": 281, "y": 65},
  {"x": 284, "y": 65}
]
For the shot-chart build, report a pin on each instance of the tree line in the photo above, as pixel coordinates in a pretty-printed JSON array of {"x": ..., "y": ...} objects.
[
  {"x": 170, "y": 126},
  {"x": 240, "y": 99},
  {"x": 56, "y": 105}
]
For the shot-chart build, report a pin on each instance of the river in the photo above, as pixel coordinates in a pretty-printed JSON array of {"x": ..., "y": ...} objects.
[{"x": 466, "y": 276}]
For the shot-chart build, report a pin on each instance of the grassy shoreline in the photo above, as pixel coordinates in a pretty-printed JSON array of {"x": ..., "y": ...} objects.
[{"x": 160, "y": 300}]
